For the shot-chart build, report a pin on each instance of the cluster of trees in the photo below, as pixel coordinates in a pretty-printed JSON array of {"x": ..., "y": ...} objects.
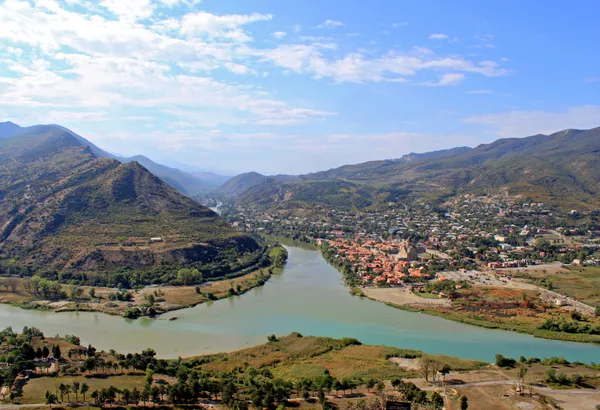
[
  {"x": 561, "y": 379},
  {"x": 278, "y": 256},
  {"x": 561, "y": 325},
  {"x": 446, "y": 286},
  {"x": 44, "y": 288},
  {"x": 236, "y": 389},
  {"x": 19, "y": 354},
  {"x": 230, "y": 263}
]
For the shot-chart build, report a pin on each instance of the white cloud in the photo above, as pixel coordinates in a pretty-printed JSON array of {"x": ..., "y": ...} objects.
[
  {"x": 447, "y": 79},
  {"x": 400, "y": 24},
  {"x": 331, "y": 24},
  {"x": 279, "y": 34},
  {"x": 175, "y": 3},
  {"x": 205, "y": 24},
  {"x": 129, "y": 10},
  {"x": 523, "y": 123},
  {"x": 592, "y": 80},
  {"x": 358, "y": 68},
  {"x": 439, "y": 37},
  {"x": 238, "y": 68}
]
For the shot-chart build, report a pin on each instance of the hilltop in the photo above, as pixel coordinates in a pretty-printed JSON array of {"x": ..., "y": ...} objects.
[
  {"x": 243, "y": 182},
  {"x": 182, "y": 181},
  {"x": 560, "y": 169},
  {"x": 64, "y": 207}
]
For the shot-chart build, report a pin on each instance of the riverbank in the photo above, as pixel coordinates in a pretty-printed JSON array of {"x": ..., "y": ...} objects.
[
  {"x": 161, "y": 299},
  {"x": 300, "y": 370},
  {"x": 526, "y": 309},
  {"x": 307, "y": 297},
  {"x": 486, "y": 311}
]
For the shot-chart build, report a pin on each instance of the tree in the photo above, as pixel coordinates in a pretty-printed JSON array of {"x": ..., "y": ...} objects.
[
  {"x": 84, "y": 389},
  {"x": 522, "y": 374},
  {"x": 45, "y": 352},
  {"x": 56, "y": 352},
  {"x": 126, "y": 395},
  {"x": 464, "y": 403},
  {"x": 92, "y": 293},
  {"x": 135, "y": 395},
  {"x": 68, "y": 392},
  {"x": 437, "y": 402},
  {"x": 425, "y": 367},
  {"x": 189, "y": 276},
  {"x": 76, "y": 292},
  {"x": 95, "y": 396},
  {"x": 50, "y": 398},
  {"x": 76, "y": 390},
  {"x": 149, "y": 375},
  {"x": 62, "y": 389}
]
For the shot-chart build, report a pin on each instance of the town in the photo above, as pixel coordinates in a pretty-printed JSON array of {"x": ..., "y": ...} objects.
[{"x": 405, "y": 243}]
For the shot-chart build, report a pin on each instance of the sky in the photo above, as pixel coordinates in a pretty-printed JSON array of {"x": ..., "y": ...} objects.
[{"x": 287, "y": 86}]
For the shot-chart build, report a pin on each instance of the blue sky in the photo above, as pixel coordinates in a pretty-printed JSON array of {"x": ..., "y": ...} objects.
[{"x": 298, "y": 86}]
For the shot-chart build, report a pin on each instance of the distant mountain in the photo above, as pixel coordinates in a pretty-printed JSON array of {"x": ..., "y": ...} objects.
[
  {"x": 243, "y": 182},
  {"x": 184, "y": 182},
  {"x": 213, "y": 179},
  {"x": 562, "y": 168},
  {"x": 180, "y": 180},
  {"x": 9, "y": 129},
  {"x": 63, "y": 207},
  {"x": 452, "y": 152}
]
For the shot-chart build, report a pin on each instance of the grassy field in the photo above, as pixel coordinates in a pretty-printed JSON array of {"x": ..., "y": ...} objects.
[
  {"x": 581, "y": 283},
  {"x": 35, "y": 390},
  {"x": 295, "y": 357}
]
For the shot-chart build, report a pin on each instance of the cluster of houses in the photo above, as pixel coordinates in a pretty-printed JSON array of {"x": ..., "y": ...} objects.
[
  {"x": 389, "y": 262},
  {"x": 495, "y": 231}
]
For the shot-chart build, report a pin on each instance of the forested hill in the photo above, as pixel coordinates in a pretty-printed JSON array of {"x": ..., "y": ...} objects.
[
  {"x": 562, "y": 168},
  {"x": 65, "y": 208}
]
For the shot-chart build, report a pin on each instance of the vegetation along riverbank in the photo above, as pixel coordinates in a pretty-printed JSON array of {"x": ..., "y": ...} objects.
[
  {"x": 188, "y": 289},
  {"x": 518, "y": 306},
  {"x": 293, "y": 371}
]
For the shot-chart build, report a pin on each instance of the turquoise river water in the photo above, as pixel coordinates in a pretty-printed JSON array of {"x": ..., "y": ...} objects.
[{"x": 308, "y": 297}]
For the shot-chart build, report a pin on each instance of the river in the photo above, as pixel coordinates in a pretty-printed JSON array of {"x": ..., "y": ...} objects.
[{"x": 308, "y": 297}]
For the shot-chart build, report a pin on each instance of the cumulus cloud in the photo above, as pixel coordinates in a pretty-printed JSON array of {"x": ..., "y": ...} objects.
[
  {"x": 138, "y": 61},
  {"x": 358, "y": 68},
  {"x": 226, "y": 26}
]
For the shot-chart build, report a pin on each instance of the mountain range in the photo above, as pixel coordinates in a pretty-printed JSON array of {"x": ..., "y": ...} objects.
[
  {"x": 68, "y": 205},
  {"x": 185, "y": 182},
  {"x": 562, "y": 169}
]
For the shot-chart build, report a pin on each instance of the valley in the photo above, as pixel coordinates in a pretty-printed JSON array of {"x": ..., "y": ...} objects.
[{"x": 88, "y": 237}]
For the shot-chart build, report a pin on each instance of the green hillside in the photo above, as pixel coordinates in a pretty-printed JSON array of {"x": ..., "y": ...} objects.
[
  {"x": 64, "y": 208},
  {"x": 561, "y": 169}
]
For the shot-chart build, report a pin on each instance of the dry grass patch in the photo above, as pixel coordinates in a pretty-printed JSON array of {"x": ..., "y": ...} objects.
[{"x": 35, "y": 390}]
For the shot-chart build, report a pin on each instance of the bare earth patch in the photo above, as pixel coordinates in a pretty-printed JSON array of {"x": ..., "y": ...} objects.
[{"x": 402, "y": 297}]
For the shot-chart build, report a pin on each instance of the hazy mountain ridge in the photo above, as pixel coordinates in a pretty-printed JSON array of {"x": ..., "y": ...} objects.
[
  {"x": 562, "y": 168},
  {"x": 243, "y": 182},
  {"x": 183, "y": 181},
  {"x": 66, "y": 208}
]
